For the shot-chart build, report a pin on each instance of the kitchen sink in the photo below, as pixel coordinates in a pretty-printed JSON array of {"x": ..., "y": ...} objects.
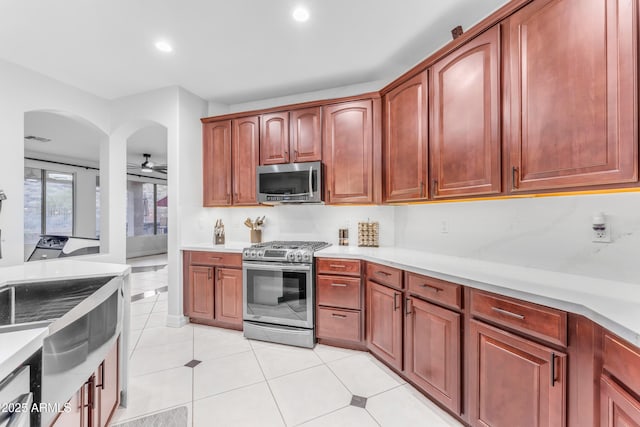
[{"x": 33, "y": 305}]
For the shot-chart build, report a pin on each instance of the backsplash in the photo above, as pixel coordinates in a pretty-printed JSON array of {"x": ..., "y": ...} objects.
[
  {"x": 552, "y": 233},
  {"x": 290, "y": 222}
]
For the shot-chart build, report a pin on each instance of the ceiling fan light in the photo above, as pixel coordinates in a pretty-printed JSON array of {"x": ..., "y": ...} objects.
[{"x": 146, "y": 169}]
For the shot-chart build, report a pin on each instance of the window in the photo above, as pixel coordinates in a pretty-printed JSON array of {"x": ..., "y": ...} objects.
[
  {"x": 48, "y": 203},
  {"x": 161, "y": 209},
  {"x": 146, "y": 208}
]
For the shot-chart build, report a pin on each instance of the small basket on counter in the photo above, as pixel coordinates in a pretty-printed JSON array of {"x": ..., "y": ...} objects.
[{"x": 368, "y": 234}]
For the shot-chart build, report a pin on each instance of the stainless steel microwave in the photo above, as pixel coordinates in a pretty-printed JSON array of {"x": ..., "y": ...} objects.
[{"x": 289, "y": 183}]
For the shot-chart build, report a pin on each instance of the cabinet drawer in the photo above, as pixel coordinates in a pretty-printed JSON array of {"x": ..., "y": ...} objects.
[
  {"x": 536, "y": 320},
  {"x": 622, "y": 361},
  {"x": 337, "y": 291},
  {"x": 385, "y": 275},
  {"x": 348, "y": 267},
  {"x": 435, "y": 290},
  {"x": 338, "y": 324},
  {"x": 216, "y": 258}
]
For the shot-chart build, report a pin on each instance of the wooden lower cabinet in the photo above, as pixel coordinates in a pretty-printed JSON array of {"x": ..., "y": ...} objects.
[
  {"x": 108, "y": 387},
  {"x": 384, "y": 323},
  {"x": 228, "y": 295},
  {"x": 212, "y": 286},
  {"x": 514, "y": 381},
  {"x": 96, "y": 401},
  {"x": 201, "y": 292},
  {"x": 617, "y": 407},
  {"x": 432, "y": 351}
]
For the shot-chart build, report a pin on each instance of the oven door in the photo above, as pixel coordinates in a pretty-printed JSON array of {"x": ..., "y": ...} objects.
[{"x": 278, "y": 293}]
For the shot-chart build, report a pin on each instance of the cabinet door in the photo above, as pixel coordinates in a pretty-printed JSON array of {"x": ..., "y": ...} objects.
[
  {"x": 108, "y": 387},
  {"x": 348, "y": 152},
  {"x": 405, "y": 140},
  {"x": 216, "y": 167},
  {"x": 77, "y": 415},
  {"x": 306, "y": 135},
  {"x": 432, "y": 351},
  {"x": 465, "y": 110},
  {"x": 617, "y": 407},
  {"x": 514, "y": 381},
  {"x": 384, "y": 323},
  {"x": 274, "y": 139},
  {"x": 201, "y": 292},
  {"x": 228, "y": 299},
  {"x": 573, "y": 87},
  {"x": 245, "y": 154}
]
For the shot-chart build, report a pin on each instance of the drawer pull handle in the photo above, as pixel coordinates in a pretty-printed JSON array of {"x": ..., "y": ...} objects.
[
  {"x": 341, "y": 316},
  {"x": 508, "y": 313},
  {"x": 383, "y": 273},
  {"x": 339, "y": 285},
  {"x": 337, "y": 266},
  {"x": 431, "y": 287},
  {"x": 553, "y": 369},
  {"x": 215, "y": 257},
  {"x": 395, "y": 301}
]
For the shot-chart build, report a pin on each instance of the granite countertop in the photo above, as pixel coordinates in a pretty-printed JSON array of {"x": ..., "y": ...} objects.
[
  {"x": 17, "y": 346},
  {"x": 614, "y": 305}
]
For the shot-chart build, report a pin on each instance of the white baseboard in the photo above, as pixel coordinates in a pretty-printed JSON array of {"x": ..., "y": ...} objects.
[{"x": 176, "y": 321}]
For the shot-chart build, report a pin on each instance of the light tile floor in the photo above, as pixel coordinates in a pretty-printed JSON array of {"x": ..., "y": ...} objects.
[{"x": 242, "y": 382}]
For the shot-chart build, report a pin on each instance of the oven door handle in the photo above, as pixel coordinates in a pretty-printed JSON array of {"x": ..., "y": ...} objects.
[{"x": 276, "y": 266}]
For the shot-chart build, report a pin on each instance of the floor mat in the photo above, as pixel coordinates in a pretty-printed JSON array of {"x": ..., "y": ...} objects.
[{"x": 176, "y": 417}]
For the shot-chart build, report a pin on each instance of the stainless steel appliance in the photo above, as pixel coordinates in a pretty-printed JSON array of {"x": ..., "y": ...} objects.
[
  {"x": 289, "y": 183},
  {"x": 278, "y": 292}
]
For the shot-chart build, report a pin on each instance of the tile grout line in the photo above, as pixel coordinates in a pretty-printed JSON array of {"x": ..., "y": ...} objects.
[
  {"x": 320, "y": 416},
  {"x": 268, "y": 385}
]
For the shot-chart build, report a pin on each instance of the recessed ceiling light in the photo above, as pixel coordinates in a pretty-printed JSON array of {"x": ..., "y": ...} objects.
[
  {"x": 301, "y": 14},
  {"x": 163, "y": 46}
]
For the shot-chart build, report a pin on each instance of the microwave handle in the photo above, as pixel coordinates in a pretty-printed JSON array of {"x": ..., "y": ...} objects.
[{"x": 311, "y": 181}]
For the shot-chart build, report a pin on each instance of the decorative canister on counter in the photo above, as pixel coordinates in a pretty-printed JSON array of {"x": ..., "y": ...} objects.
[
  {"x": 368, "y": 233},
  {"x": 343, "y": 236}
]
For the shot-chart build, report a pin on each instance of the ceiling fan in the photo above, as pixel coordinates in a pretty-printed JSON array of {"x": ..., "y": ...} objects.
[{"x": 148, "y": 166}]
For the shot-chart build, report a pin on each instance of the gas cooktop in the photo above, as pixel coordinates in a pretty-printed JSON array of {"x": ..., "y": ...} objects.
[{"x": 287, "y": 251}]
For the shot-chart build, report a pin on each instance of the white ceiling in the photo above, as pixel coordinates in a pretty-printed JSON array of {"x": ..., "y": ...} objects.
[{"x": 227, "y": 51}]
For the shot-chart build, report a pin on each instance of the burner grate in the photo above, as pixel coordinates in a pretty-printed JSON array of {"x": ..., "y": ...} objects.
[{"x": 292, "y": 244}]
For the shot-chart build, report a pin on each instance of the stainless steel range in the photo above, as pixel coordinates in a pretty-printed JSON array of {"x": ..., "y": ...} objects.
[{"x": 278, "y": 292}]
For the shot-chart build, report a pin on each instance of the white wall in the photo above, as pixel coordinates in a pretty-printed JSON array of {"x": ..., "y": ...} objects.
[
  {"x": 24, "y": 90},
  {"x": 551, "y": 233}
]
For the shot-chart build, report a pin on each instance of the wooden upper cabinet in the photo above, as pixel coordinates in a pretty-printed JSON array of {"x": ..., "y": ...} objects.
[
  {"x": 573, "y": 85},
  {"x": 348, "y": 152},
  {"x": 465, "y": 126},
  {"x": 216, "y": 163},
  {"x": 306, "y": 135},
  {"x": 274, "y": 138},
  {"x": 405, "y": 141},
  {"x": 245, "y": 154}
]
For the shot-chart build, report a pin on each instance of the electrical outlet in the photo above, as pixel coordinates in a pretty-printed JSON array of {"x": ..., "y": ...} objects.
[
  {"x": 601, "y": 229},
  {"x": 602, "y": 235},
  {"x": 444, "y": 227}
]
